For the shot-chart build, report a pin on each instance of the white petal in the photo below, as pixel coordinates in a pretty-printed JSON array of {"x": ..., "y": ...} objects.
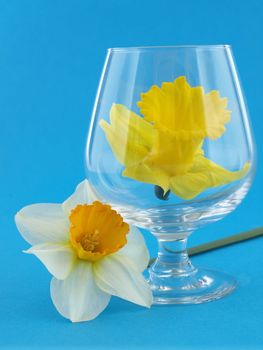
[
  {"x": 84, "y": 194},
  {"x": 58, "y": 258},
  {"x": 78, "y": 298},
  {"x": 115, "y": 275},
  {"x": 41, "y": 223},
  {"x": 136, "y": 250}
]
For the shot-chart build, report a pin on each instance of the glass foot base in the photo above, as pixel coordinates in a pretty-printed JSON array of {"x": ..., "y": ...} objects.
[{"x": 199, "y": 286}]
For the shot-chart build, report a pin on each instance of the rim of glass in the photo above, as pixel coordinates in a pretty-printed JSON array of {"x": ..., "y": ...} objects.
[{"x": 170, "y": 47}]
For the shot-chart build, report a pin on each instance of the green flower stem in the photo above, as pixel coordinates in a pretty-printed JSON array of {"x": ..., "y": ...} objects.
[
  {"x": 159, "y": 192},
  {"x": 224, "y": 242}
]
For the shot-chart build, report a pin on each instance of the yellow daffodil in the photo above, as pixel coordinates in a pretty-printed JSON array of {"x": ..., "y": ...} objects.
[
  {"x": 90, "y": 251},
  {"x": 185, "y": 110},
  {"x": 164, "y": 147}
]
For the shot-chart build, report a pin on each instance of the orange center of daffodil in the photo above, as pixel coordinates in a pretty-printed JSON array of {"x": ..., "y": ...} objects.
[{"x": 96, "y": 231}]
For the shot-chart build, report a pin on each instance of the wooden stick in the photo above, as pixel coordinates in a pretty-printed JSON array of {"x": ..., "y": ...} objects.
[{"x": 224, "y": 242}]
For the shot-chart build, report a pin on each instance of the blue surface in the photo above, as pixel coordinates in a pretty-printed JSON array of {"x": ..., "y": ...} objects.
[{"x": 51, "y": 57}]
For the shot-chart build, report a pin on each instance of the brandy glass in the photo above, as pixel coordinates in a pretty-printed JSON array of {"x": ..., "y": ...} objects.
[{"x": 170, "y": 147}]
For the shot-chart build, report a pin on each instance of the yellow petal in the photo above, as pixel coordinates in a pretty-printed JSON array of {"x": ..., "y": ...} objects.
[
  {"x": 128, "y": 134},
  {"x": 151, "y": 104},
  {"x": 172, "y": 153},
  {"x": 179, "y": 107},
  {"x": 203, "y": 175},
  {"x": 216, "y": 114},
  {"x": 124, "y": 119},
  {"x": 189, "y": 185},
  {"x": 167, "y": 105},
  {"x": 145, "y": 173}
]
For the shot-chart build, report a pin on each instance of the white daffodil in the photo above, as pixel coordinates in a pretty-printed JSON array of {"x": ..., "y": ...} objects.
[{"x": 91, "y": 253}]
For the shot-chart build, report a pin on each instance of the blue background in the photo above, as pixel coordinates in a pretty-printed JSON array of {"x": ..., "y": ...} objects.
[{"x": 51, "y": 56}]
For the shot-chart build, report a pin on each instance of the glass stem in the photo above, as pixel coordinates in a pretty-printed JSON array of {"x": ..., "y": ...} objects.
[
  {"x": 174, "y": 280},
  {"x": 172, "y": 259}
]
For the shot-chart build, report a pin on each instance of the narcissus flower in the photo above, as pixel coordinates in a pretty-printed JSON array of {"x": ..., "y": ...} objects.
[
  {"x": 164, "y": 147},
  {"x": 91, "y": 252}
]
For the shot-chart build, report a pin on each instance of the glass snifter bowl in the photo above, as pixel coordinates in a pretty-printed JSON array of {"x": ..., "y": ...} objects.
[{"x": 170, "y": 148}]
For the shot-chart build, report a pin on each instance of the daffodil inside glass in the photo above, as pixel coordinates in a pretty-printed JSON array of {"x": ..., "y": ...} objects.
[
  {"x": 164, "y": 147},
  {"x": 170, "y": 145},
  {"x": 90, "y": 251}
]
